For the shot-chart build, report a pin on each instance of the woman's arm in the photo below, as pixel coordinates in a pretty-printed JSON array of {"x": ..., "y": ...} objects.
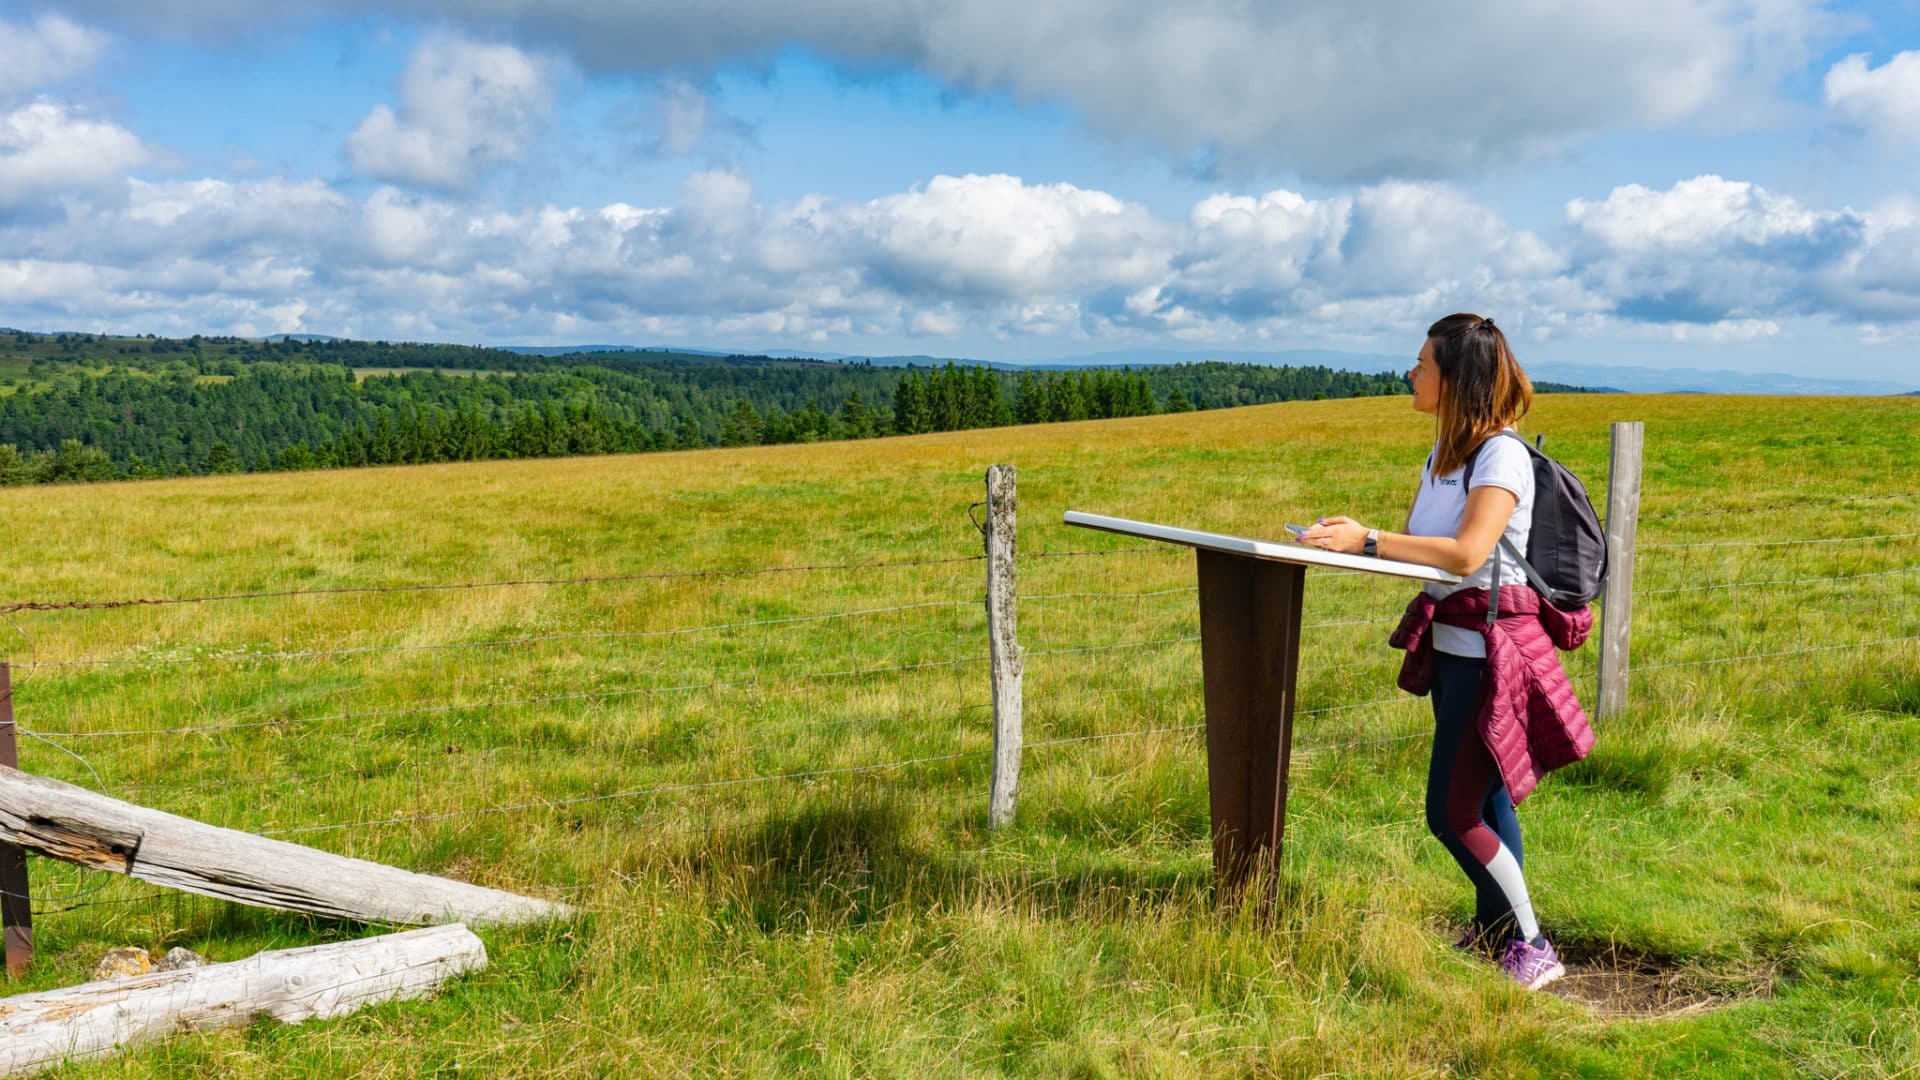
[{"x": 1486, "y": 516}]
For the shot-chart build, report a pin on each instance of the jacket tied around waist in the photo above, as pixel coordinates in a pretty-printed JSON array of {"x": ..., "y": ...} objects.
[{"x": 1529, "y": 717}]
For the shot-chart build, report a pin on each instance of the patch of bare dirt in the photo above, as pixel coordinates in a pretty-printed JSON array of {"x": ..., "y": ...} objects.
[
  {"x": 1620, "y": 982},
  {"x": 1623, "y": 983}
]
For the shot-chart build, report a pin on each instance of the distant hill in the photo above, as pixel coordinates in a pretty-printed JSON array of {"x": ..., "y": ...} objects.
[
  {"x": 588, "y": 350},
  {"x": 1332, "y": 358},
  {"x": 916, "y": 360},
  {"x": 1649, "y": 380},
  {"x": 100, "y": 407}
]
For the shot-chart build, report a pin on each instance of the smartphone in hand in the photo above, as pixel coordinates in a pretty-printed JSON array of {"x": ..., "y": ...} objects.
[{"x": 1294, "y": 530}]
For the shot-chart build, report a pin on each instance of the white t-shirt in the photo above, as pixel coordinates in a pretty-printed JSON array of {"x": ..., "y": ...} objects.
[{"x": 1437, "y": 510}]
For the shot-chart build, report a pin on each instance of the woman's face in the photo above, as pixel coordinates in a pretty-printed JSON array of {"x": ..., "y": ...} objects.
[{"x": 1425, "y": 378}]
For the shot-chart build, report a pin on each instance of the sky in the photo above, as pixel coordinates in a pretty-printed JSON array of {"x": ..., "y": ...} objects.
[{"x": 1729, "y": 184}]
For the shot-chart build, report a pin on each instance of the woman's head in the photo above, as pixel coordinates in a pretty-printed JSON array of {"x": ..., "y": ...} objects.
[{"x": 1469, "y": 380}]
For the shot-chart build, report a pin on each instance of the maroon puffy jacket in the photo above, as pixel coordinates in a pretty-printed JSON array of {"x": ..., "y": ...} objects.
[{"x": 1529, "y": 718}]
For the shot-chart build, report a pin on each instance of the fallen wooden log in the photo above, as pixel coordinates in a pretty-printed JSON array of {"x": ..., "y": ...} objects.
[
  {"x": 66, "y": 822},
  {"x": 290, "y": 985}
]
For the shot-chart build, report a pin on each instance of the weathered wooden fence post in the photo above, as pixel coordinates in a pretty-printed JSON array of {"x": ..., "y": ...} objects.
[
  {"x": 16, "y": 902},
  {"x": 1616, "y": 604},
  {"x": 1004, "y": 644}
]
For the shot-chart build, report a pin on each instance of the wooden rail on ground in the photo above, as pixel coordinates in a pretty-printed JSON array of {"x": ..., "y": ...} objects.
[
  {"x": 62, "y": 821},
  {"x": 38, "y": 1031}
]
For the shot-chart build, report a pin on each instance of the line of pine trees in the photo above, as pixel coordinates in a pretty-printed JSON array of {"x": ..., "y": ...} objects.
[{"x": 169, "y": 412}]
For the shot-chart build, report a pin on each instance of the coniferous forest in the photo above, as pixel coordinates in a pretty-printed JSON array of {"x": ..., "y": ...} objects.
[{"x": 78, "y": 407}]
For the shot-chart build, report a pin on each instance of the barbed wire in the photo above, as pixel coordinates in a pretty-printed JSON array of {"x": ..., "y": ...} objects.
[
  {"x": 63, "y": 905},
  {"x": 1095, "y": 553},
  {"x": 1752, "y": 508},
  {"x": 1191, "y": 590},
  {"x": 1108, "y": 595},
  {"x": 1761, "y": 583},
  {"x": 603, "y": 695},
  {"x": 1182, "y": 639},
  {"x": 1350, "y": 706},
  {"x": 1320, "y": 669},
  {"x": 585, "y": 579},
  {"x": 1777, "y": 655},
  {"x": 70, "y": 902},
  {"x": 769, "y": 734},
  {"x": 606, "y": 695},
  {"x": 808, "y": 774},
  {"x": 633, "y": 793},
  {"x": 1781, "y": 543},
  {"x": 597, "y": 635}
]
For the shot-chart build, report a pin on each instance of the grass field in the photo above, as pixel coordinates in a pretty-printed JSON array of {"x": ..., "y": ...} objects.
[{"x": 1749, "y": 831}]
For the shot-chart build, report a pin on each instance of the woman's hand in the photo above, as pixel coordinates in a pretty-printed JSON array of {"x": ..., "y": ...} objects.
[{"x": 1341, "y": 534}]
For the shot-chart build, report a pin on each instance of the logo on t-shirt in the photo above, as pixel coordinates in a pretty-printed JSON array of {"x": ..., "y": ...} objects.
[{"x": 1448, "y": 481}]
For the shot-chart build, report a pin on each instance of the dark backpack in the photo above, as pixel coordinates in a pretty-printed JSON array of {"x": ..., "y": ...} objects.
[{"x": 1566, "y": 557}]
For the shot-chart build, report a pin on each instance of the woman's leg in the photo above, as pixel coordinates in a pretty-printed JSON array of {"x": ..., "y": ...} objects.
[
  {"x": 1498, "y": 813},
  {"x": 1462, "y": 785}
]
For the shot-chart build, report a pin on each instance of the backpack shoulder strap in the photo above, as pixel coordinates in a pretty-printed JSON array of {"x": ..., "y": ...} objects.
[{"x": 1466, "y": 478}]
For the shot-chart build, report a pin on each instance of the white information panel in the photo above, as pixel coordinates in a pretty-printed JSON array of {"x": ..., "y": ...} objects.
[{"x": 1260, "y": 549}]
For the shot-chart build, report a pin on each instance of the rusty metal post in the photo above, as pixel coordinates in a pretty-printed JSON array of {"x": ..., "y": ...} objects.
[{"x": 16, "y": 903}]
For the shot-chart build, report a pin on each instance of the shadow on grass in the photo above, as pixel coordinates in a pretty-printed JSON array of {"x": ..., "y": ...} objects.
[
  {"x": 1644, "y": 769},
  {"x": 849, "y": 864},
  {"x": 1889, "y": 691}
]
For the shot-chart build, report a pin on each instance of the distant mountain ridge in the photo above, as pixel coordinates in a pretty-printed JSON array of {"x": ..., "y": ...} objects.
[
  {"x": 1606, "y": 378},
  {"x": 1603, "y": 378},
  {"x": 1647, "y": 380}
]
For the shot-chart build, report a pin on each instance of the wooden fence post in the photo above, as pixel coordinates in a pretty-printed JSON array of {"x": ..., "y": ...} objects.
[
  {"x": 1616, "y": 604},
  {"x": 16, "y": 902},
  {"x": 1004, "y": 644}
]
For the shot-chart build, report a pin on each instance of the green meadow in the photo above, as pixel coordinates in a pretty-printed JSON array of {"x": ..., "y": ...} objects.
[{"x": 766, "y": 792}]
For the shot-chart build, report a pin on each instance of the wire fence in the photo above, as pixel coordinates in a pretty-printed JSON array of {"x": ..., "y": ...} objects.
[{"x": 1086, "y": 674}]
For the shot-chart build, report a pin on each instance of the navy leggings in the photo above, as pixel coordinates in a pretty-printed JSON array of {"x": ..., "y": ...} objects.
[{"x": 1468, "y": 809}]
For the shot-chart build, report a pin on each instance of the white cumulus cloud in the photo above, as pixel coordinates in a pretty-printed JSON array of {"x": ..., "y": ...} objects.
[
  {"x": 1704, "y": 213},
  {"x": 48, "y": 149},
  {"x": 46, "y": 50},
  {"x": 464, "y": 106},
  {"x": 1710, "y": 249},
  {"x": 999, "y": 236},
  {"x": 968, "y": 259},
  {"x": 1884, "y": 100}
]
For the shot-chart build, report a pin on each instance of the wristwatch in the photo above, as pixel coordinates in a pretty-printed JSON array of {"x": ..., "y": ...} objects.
[{"x": 1372, "y": 546}]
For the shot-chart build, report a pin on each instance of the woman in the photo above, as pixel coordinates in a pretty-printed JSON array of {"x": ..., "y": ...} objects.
[{"x": 1477, "y": 487}]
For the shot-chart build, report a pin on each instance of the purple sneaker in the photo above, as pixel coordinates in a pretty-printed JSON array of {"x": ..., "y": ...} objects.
[{"x": 1530, "y": 967}]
